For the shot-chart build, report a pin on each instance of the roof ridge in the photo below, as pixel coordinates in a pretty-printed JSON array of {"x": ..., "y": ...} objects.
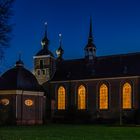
[{"x": 117, "y": 55}]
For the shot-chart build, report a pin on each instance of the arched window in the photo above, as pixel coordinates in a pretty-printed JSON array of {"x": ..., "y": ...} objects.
[
  {"x": 103, "y": 97},
  {"x": 127, "y": 96},
  {"x": 81, "y": 97},
  {"x": 61, "y": 98}
]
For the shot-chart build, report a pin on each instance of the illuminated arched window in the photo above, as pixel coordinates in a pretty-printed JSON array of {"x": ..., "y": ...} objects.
[
  {"x": 61, "y": 98},
  {"x": 103, "y": 97},
  {"x": 127, "y": 96},
  {"x": 81, "y": 97}
]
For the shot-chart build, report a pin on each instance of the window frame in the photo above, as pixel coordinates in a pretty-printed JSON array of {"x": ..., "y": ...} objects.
[
  {"x": 61, "y": 86},
  {"x": 108, "y": 97},
  {"x": 43, "y": 72},
  {"x": 38, "y": 72},
  {"x": 131, "y": 96},
  {"x": 85, "y": 97},
  {"x": 41, "y": 63}
]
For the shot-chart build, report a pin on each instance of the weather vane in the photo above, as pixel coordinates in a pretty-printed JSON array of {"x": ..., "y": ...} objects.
[
  {"x": 60, "y": 37},
  {"x": 46, "y": 23},
  {"x": 46, "y": 28}
]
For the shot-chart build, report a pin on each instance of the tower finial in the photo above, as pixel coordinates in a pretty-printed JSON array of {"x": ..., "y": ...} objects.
[
  {"x": 45, "y": 41},
  {"x": 46, "y": 24},
  {"x": 19, "y": 62},
  {"x": 90, "y": 38},
  {"x": 60, "y": 39},
  {"x": 60, "y": 51},
  {"x": 19, "y": 56}
]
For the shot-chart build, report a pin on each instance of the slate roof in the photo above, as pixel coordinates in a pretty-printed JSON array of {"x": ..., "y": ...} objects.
[
  {"x": 44, "y": 51},
  {"x": 103, "y": 67},
  {"x": 19, "y": 78}
]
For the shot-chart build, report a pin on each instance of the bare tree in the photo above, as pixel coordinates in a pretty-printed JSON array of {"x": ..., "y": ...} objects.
[{"x": 5, "y": 26}]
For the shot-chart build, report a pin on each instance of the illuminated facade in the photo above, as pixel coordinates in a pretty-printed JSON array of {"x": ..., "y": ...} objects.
[{"x": 95, "y": 88}]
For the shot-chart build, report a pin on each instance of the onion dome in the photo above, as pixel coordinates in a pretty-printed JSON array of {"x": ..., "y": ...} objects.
[
  {"x": 45, "y": 44},
  {"x": 60, "y": 51},
  {"x": 19, "y": 78}
]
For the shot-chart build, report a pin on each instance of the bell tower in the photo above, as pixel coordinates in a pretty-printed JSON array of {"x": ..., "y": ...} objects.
[
  {"x": 90, "y": 49},
  {"x": 44, "y": 61}
]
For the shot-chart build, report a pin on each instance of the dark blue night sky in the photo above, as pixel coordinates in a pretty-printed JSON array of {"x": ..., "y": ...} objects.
[{"x": 116, "y": 27}]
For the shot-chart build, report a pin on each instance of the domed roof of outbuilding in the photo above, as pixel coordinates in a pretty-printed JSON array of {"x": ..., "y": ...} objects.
[{"x": 19, "y": 78}]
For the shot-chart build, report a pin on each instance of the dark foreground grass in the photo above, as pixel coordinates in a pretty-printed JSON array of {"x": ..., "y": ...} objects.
[{"x": 69, "y": 132}]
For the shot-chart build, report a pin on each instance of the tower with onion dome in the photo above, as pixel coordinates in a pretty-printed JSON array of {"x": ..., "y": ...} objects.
[{"x": 44, "y": 61}]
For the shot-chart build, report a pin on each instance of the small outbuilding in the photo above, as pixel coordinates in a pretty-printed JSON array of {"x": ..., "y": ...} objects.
[{"x": 22, "y": 99}]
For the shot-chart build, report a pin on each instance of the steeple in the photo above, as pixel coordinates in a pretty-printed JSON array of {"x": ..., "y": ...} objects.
[
  {"x": 90, "y": 49},
  {"x": 45, "y": 40},
  {"x": 90, "y": 37},
  {"x": 45, "y": 43},
  {"x": 44, "y": 61},
  {"x": 60, "y": 51}
]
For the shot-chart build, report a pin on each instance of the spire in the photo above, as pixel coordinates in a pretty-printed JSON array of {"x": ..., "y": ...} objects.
[
  {"x": 45, "y": 35},
  {"x": 90, "y": 38},
  {"x": 60, "y": 51},
  {"x": 90, "y": 49},
  {"x": 19, "y": 57},
  {"x": 45, "y": 40},
  {"x": 60, "y": 39}
]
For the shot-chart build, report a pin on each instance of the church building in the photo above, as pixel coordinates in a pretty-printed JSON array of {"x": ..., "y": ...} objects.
[{"x": 92, "y": 89}]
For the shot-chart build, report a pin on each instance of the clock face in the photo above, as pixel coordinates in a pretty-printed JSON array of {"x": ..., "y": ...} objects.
[
  {"x": 4, "y": 101},
  {"x": 28, "y": 102}
]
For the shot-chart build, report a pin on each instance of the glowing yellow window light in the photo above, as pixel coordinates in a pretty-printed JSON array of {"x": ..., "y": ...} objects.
[
  {"x": 28, "y": 102},
  {"x": 4, "y": 101},
  {"x": 81, "y": 97},
  {"x": 61, "y": 98},
  {"x": 103, "y": 97},
  {"x": 127, "y": 96}
]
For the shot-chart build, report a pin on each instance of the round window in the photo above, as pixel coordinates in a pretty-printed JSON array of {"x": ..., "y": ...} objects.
[
  {"x": 28, "y": 102},
  {"x": 4, "y": 101}
]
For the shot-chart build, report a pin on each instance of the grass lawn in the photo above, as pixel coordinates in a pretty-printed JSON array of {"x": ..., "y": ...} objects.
[{"x": 69, "y": 132}]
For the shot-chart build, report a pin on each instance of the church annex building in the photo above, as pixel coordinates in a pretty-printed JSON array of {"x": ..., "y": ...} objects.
[{"x": 102, "y": 89}]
